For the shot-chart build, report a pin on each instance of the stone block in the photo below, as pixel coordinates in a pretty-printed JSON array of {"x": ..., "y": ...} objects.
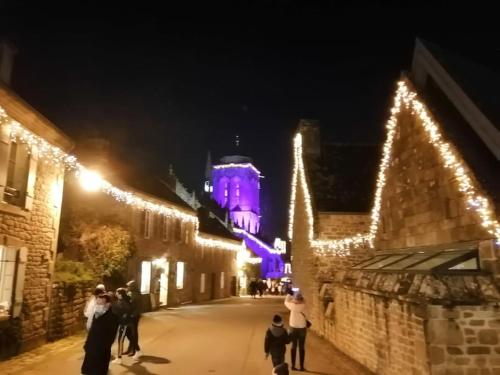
[
  {"x": 477, "y": 322},
  {"x": 454, "y": 350},
  {"x": 437, "y": 355},
  {"x": 478, "y": 350},
  {"x": 488, "y": 336},
  {"x": 461, "y": 361},
  {"x": 472, "y": 371}
]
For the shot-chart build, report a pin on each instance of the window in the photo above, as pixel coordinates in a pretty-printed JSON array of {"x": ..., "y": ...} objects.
[
  {"x": 369, "y": 261},
  {"x": 438, "y": 260},
  {"x": 386, "y": 261},
  {"x": 186, "y": 234},
  {"x": 237, "y": 189},
  {"x": 202, "y": 283},
  {"x": 222, "y": 280},
  {"x": 443, "y": 261},
  {"x": 18, "y": 167},
  {"x": 179, "y": 282},
  {"x": 165, "y": 228},
  {"x": 145, "y": 277},
  {"x": 178, "y": 230},
  {"x": 147, "y": 224},
  {"x": 7, "y": 272}
]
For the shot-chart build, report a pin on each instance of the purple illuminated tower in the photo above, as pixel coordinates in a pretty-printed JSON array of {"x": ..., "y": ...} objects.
[{"x": 235, "y": 184}]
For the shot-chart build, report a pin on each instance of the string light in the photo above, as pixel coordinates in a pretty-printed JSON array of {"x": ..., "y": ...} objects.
[
  {"x": 236, "y": 165},
  {"x": 56, "y": 156},
  {"x": 255, "y": 239},
  {"x": 474, "y": 200}
]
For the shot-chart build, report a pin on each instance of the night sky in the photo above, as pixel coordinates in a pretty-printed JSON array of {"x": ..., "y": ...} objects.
[{"x": 167, "y": 84}]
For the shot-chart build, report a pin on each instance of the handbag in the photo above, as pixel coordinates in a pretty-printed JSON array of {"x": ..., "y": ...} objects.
[{"x": 308, "y": 322}]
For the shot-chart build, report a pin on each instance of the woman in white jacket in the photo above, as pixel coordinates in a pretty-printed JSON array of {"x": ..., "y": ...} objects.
[
  {"x": 298, "y": 327},
  {"x": 89, "y": 310}
]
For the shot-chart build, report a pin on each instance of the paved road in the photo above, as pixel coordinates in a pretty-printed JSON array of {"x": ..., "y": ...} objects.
[{"x": 220, "y": 338}]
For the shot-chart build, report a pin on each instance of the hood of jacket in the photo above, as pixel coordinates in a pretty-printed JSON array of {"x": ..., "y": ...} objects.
[{"x": 277, "y": 331}]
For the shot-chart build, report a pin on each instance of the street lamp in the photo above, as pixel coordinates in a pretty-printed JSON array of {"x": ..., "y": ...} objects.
[{"x": 90, "y": 180}]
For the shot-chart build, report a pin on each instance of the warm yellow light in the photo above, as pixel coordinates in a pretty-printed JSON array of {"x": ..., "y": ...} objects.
[
  {"x": 90, "y": 180},
  {"x": 404, "y": 97}
]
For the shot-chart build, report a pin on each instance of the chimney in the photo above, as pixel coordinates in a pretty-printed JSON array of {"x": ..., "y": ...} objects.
[
  {"x": 7, "y": 53},
  {"x": 311, "y": 141}
]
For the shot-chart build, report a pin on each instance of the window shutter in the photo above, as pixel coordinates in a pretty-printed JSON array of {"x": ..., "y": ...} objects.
[
  {"x": 4, "y": 157},
  {"x": 30, "y": 186},
  {"x": 22, "y": 258}
]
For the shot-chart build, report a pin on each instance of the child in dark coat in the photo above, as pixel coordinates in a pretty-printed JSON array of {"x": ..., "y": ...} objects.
[{"x": 276, "y": 340}]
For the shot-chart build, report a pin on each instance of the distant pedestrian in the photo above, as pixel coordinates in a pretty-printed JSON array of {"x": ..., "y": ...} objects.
[
  {"x": 275, "y": 341},
  {"x": 298, "y": 327},
  {"x": 252, "y": 288},
  {"x": 261, "y": 286},
  {"x": 122, "y": 308},
  {"x": 100, "y": 338},
  {"x": 135, "y": 300},
  {"x": 89, "y": 310}
]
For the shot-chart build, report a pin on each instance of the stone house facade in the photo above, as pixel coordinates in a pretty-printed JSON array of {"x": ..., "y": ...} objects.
[
  {"x": 31, "y": 183},
  {"x": 170, "y": 263},
  {"x": 412, "y": 286}
]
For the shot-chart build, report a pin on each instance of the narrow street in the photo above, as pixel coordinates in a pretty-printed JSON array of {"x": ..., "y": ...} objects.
[{"x": 224, "y": 337}]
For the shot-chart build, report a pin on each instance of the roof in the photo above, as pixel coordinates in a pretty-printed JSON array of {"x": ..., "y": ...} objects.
[
  {"x": 211, "y": 225},
  {"x": 342, "y": 177},
  {"x": 124, "y": 175},
  {"x": 478, "y": 83},
  {"x": 33, "y": 120}
]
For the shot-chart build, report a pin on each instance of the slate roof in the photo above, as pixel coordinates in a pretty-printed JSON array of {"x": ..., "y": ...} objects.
[
  {"x": 482, "y": 87},
  {"x": 342, "y": 178}
]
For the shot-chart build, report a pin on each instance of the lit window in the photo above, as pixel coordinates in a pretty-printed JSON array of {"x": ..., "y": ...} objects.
[
  {"x": 225, "y": 192},
  {"x": 145, "y": 277},
  {"x": 7, "y": 272},
  {"x": 165, "y": 228},
  {"x": 18, "y": 167},
  {"x": 237, "y": 190},
  {"x": 222, "y": 280},
  {"x": 179, "y": 281},
  {"x": 202, "y": 283},
  {"x": 148, "y": 224}
]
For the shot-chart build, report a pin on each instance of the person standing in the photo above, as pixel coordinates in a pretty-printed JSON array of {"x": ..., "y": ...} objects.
[
  {"x": 89, "y": 310},
  {"x": 252, "y": 287},
  {"x": 133, "y": 338},
  {"x": 101, "y": 335},
  {"x": 298, "y": 327},
  {"x": 123, "y": 310},
  {"x": 275, "y": 341}
]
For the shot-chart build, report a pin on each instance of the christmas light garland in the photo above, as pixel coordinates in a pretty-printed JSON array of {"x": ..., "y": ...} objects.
[
  {"x": 262, "y": 244},
  {"x": 56, "y": 156},
  {"x": 236, "y": 165},
  {"x": 448, "y": 154}
]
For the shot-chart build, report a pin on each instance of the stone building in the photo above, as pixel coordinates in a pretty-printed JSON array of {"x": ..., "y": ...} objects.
[
  {"x": 31, "y": 179},
  {"x": 412, "y": 286},
  {"x": 178, "y": 258}
]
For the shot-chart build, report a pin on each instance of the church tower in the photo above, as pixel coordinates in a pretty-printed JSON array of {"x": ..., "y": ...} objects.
[{"x": 235, "y": 186}]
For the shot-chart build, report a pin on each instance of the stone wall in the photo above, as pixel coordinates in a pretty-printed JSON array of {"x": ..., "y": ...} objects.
[
  {"x": 421, "y": 204},
  {"x": 66, "y": 310},
  {"x": 464, "y": 340},
  {"x": 36, "y": 230},
  {"x": 335, "y": 225},
  {"x": 387, "y": 336}
]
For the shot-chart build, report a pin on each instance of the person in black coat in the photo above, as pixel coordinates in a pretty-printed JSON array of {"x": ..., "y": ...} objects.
[
  {"x": 276, "y": 340},
  {"x": 122, "y": 308},
  {"x": 101, "y": 335},
  {"x": 133, "y": 335}
]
